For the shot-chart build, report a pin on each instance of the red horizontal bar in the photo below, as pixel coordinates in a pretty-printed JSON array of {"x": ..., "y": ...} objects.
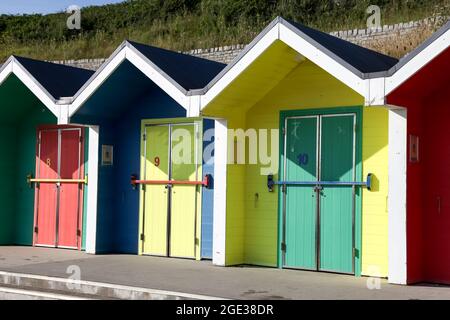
[{"x": 174, "y": 182}]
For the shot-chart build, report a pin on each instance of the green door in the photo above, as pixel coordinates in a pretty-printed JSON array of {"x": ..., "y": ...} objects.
[
  {"x": 301, "y": 201},
  {"x": 318, "y": 213},
  {"x": 337, "y": 202}
]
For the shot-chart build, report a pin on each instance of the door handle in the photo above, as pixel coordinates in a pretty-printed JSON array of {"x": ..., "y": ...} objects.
[
  {"x": 318, "y": 188},
  {"x": 439, "y": 204}
]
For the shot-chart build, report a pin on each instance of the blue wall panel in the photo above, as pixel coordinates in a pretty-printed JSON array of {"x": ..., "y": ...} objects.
[
  {"x": 208, "y": 194},
  {"x": 118, "y": 107},
  {"x": 127, "y": 162},
  {"x": 105, "y": 206}
]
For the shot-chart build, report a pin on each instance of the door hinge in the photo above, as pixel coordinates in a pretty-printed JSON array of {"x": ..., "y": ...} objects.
[
  {"x": 78, "y": 233},
  {"x": 143, "y": 187},
  {"x": 284, "y": 131},
  {"x": 283, "y": 246},
  {"x": 36, "y": 229},
  {"x": 81, "y": 139},
  {"x": 144, "y": 137},
  {"x": 283, "y": 188},
  {"x": 142, "y": 237}
]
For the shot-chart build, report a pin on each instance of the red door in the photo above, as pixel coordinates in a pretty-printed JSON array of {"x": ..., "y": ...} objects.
[
  {"x": 46, "y": 193},
  {"x": 59, "y": 203}
]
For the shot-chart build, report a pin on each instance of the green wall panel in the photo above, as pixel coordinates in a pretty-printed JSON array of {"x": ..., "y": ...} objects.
[
  {"x": 8, "y": 168},
  {"x": 21, "y": 113},
  {"x": 26, "y": 163}
]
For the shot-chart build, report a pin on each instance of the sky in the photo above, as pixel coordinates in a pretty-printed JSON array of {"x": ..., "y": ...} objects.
[{"x": 45, "y": 6}]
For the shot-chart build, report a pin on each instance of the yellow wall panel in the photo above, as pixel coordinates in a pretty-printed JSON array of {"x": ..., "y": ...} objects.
[
  {"x": 252, "y": 212},
  {"x": 235, "y": 228},
  {"x": 306, "y": 87},
  {"x": 375, "y": 211}
]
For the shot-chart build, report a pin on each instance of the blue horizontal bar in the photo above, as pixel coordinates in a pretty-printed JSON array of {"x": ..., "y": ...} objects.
[{"x": 368, "y": 183}]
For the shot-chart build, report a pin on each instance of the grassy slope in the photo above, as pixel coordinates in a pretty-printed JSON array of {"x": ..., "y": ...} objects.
[{"x": 187, "y": 24}]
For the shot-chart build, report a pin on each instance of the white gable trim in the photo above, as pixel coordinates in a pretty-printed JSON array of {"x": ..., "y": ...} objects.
[
  {"x": 323, "y": 60},
  {"x": 127, "y": 52},
  {"x": 230, "y": 75},
  {"x": 12, "y": 66},
  {"x": 280, "y": 30},
  {"x": 418, "y": 62}
]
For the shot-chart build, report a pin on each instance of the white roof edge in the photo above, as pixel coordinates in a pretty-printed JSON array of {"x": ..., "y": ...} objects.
[
  {"x": 419, "y": 50},
  {"x": 413, "y": 62},
  {"x": 278, "y": 22},
  {"x": 247, "y": 48},
  {"x": 38, "y": 90},
  {"x": 124, "y": 46},
  {"x": 158, "y": 69},
  {"x": 323, "y": 49},
  {"x": 99, "y": 70},
  {"x": 13, "y": 60}
]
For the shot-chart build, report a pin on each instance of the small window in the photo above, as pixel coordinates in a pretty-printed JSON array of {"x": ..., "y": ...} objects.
[
  {"x": 414, "y": 149},
  {"x": 107, "y": 155}
]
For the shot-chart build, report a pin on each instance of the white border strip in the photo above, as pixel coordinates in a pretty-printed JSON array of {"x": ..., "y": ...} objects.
[
  {"x": 397, "y": 235},
  {"x": 220, "y": 192},
  {"x": 92, "y": 199},
  {"x": 71, "y": 282},
  {"x": 39, "y": 295}
]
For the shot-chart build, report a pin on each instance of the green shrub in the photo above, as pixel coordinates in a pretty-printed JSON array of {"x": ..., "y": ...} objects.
[{"x": 186, "y": 24}]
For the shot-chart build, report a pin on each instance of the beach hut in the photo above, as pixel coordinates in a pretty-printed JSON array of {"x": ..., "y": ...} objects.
[
  {"x": 43, "y": 163},
  {"x": 302, "y": 154},
  {"x": 418, "y": 86},
  {"x": 153, "y": 197}
]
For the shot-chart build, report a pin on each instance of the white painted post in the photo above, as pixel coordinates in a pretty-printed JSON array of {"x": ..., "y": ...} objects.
[
  {"x": 220, "y": 191},
  {"x": 91, "y": 216},
  {"x": 397, "y": 255},
  {"x": 194, "y": 106},
  {"x": 63, "y": 117}
]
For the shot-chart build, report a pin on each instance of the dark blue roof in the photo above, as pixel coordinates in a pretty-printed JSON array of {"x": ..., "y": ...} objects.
[
  {"x": 188, "y": 71},
  {"x": 59, "y": 80},
  {"x": 362, "y": 59}
]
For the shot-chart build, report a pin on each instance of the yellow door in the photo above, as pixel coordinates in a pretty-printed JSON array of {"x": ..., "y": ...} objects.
[
  {"x": 155, "y": 217},
  {"x": 185, "y": 159},
  {"x": 172, "y": 152}
]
